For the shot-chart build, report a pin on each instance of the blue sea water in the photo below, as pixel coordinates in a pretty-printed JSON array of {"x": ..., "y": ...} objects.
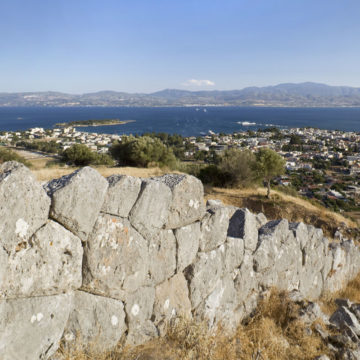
[{"x": 187, "y": 121}]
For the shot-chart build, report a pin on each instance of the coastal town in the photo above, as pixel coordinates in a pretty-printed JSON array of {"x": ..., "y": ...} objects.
[{"x": 322, "y": 165}]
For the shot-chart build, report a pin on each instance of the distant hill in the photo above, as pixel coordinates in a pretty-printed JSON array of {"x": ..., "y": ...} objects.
[{"x": 283, "y": 95}]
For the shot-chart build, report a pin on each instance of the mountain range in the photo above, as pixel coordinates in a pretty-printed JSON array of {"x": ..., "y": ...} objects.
[{"x": 306, "y": 94}]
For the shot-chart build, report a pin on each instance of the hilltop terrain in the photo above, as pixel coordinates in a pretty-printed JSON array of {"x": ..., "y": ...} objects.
[{"x": 288, "y": 95}]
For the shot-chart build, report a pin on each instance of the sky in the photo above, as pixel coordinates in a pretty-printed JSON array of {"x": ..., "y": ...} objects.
[{"x": 79, "y": 46}]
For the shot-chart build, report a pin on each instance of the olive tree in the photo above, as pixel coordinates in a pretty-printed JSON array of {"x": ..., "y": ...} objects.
[{"x": 268, "y": 164}]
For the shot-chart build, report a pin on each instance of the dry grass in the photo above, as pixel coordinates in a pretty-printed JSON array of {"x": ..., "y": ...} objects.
[
  {"x": 281, "y": 206},
  {"x": 273, "y": 333}
]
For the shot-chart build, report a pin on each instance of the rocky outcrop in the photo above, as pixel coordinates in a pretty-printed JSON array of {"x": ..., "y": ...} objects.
[{"x": 98, "y": 261}]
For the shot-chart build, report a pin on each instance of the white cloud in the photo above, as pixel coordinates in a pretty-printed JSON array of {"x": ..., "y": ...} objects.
[{"x": 195, "y": 82}]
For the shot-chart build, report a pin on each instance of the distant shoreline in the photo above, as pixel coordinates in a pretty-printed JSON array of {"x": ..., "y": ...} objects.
[{"x": 90, "y": 123}]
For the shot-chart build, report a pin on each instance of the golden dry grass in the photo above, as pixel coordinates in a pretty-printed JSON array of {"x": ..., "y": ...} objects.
[{"x": 45, "y": 174}]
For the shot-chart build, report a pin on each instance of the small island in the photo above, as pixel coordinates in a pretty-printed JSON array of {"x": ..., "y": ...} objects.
[{"x": 85, "y": 123}]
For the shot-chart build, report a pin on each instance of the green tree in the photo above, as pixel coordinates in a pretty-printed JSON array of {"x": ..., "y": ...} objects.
[
  {"x": 238, "y": 164},
  {"x": 268, "y": 164},
  {"x": 143, "y": 151},
  {"x": 81, "y": 155}
]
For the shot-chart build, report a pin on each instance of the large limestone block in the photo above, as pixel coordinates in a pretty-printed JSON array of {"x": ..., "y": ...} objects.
[
  {"x": 24, "y": 205},
  {"x": 243, "y": 224},
  {"x": 203, "y": 274},
  {"x": 301, "y": 233},
  {"x": 214, "y": 228},
  {"x": 278, "y": 257},
  {"x": 151, "y": 210},
  {"x": 171, "y": 301},
  {"x": 247, "y": 283},
  {"x": 315, "y": 259},
  {"x": 76, "y": 200},
  {"x": 234, "y": 253},
  {"x": 95, "y": 322},
  {"x": 31, "y": 328},
  {"x": 187, "y": 239},
  {"x": 139, "y": 309},
  {"x": 344, "y": 266},
  {"x": 162, "y": 256},
  {"x": 271, "y": 236},
  {"x": 121, "y": 195},
  {"x": 187, "y": 202},
  {"x": 50, "y": 264},
  {"x": 116, "y": 258},
  {"x": 220, "y": 305}
]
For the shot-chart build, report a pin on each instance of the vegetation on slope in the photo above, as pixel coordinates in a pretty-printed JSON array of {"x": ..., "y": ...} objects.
[
  {"x": 9, "y": 155},
  {"x": 283, "y": 206}
]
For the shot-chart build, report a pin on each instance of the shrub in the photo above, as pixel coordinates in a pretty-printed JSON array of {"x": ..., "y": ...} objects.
[
  {"x": 81, "y": 155},
  {"x": 237, "y": 166},
  {"x": 9, "y": 155},
  {"x": 234, "y": 170},
  {"x": 143, "y": 151}
]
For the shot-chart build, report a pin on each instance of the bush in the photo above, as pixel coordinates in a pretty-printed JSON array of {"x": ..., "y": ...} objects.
[
  {"x": 9, "y": 155},
  {"x": 81, "y": 155},
  {"x": 234, "y": 169},
  {"x": 212, "y": 175},
  {"x": 44, "y": 146},
  {"x": 237, "y": 166},
  {"x": 143, "y": 151}
]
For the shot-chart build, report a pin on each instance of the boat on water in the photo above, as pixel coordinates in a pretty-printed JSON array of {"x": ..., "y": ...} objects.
[{"x": 246, "y": 123}]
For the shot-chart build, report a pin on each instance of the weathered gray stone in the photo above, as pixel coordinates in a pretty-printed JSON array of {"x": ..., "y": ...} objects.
[
  {"x": 301, "y": 234},
  {"x": 271, "y": 236},
  {"x": 76, "y": 200},
  {"x": 187, "y": 239},
  {"x": 95, "y": 322},
  {"x": 121, "y": 195},
  {"x": 234, "y": 253},
  {"x": 315, "y": 265},
  {"x": 243, "y": 224},
  {"x": 31, "y": 328},
  {"x": 343, "y": 316},
  {"x": 278, "y": 257},
  {"x": 162, "y": 256},
  {"x": 140, "y": 333},
  {"x": 49, "y": 264},
  {"x": 355, "y": 309},
  {"x": 246, "y": 280},
  {"x": 151, "y": 210},
  {"x": 171, "y": 300},
  {"x": 116, "y": 258},
  {"x": 24, "y": 205},
  {"x": 211, "y": 203},
  {"x": 261, "y": 220},
  {"x": 220, "y": 305},
  {"x": 214, "y": 227},
  {"x": 203, "y": 274},
  {"x": 187, "y": 202},
  {"x": 139, "y": 308}
]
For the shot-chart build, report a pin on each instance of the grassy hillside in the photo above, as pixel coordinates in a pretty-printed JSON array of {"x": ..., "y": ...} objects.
[{"x": 282, "y": 206}]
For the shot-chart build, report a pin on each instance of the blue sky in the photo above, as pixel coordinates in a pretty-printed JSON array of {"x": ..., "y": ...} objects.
[{"x": 146, "y": 45}]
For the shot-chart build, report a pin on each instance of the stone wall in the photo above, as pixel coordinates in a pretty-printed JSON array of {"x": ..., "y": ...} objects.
[{"x": 95, "y": 260}]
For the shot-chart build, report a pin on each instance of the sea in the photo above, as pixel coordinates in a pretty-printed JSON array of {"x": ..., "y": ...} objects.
[{"x": 186, "y": 121}]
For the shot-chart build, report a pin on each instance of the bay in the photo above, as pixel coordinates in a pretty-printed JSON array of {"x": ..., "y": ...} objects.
[{"x": 187, "y": 121}]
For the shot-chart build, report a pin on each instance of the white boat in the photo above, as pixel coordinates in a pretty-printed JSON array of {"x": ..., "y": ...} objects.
[{"x": 246, "y": 123}]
